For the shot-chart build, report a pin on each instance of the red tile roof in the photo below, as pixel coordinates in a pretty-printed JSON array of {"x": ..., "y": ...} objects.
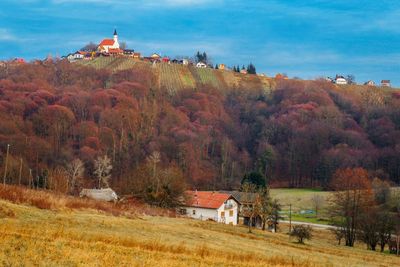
[
  {"x": 206, "y": 199},
  {"x": 107, "y": 42}
]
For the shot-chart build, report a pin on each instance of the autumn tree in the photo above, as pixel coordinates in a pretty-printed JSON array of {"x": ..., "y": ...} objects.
[{"x": 351, "y": 197}]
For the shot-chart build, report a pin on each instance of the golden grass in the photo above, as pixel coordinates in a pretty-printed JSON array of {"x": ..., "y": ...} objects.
[{"x": 31, "y": 236}]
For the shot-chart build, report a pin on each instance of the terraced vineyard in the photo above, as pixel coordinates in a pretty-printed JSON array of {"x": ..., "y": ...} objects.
[
  {"x": 206, "y": 76},
  {"x": 175, "y": 77},
  {"x": 113, "y": 63}
]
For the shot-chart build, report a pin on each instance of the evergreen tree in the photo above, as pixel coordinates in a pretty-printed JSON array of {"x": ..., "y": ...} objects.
[
  {"x": 251, "y": 69},
  {"x": 216, "y": 66}
]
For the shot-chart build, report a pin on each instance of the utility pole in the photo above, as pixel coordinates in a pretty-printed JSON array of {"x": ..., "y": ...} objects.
[
  {"x": 290, "y": 218},
  {"x": 5, "y": 167}
]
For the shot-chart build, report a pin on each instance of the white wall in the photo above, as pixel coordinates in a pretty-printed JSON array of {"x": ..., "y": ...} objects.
[{"x": 215, "y": 214}]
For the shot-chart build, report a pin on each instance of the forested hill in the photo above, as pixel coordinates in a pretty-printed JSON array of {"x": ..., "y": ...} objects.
[{"x": 212, "y": 126}]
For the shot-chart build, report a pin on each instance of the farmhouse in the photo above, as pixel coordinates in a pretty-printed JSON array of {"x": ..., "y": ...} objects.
[
  {"x": 221, "y": 66},
  {"x": 214, "y": 206},
  {"x": 385, "y": 83},
  {"x": 370, "y": 83},
  {"x": 340, "y": 80},
  {"x": 107, "y": 44},
  {"x": 246, "y": 201}
]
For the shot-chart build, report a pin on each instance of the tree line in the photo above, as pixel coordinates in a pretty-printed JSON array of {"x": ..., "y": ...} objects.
[{"x": 297, "y": 134}]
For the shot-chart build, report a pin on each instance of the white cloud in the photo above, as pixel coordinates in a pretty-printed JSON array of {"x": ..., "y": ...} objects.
[{"x": 6, "y": 35}]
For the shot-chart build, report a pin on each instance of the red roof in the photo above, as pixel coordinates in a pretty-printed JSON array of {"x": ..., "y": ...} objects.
[
  {"x": 107, "y": 42},
  {"x": 206, "y": 199}
]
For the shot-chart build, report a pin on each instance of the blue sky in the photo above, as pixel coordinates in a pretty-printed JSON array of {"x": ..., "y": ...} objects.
[{"x": 301, "y": 38}]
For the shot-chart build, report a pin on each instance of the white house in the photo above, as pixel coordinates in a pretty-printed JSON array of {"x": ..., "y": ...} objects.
[
  {"x": 385, "y": 83},
  {"x": 340, "y": 80},
  {"x": 108, "y": 44},
  {"x": 201, "y": 65},
  {"x": 214, "y": 206},
  {"x": 370, "y": 83}
]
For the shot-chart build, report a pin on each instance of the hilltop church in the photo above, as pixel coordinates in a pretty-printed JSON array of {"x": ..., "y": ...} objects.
[{"x": 110, "y": 45}]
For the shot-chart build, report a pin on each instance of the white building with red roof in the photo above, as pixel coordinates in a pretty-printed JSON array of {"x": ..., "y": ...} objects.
[
  {"x": 110, "y": 45},
  {"x": 214, "y": 206}
]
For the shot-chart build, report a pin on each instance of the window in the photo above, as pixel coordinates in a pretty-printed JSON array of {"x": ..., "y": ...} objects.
[
  {"x": 194, "y": 212},
  {"x": 183, "y": 211},
  {"x": 231, "y": 213},
  {"x": 222, "y": 213}
]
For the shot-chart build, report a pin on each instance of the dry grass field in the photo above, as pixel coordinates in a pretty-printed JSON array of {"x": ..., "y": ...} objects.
[{"x": 85, "y": 236}]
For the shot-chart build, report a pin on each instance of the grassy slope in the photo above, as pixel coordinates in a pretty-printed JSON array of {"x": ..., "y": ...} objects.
[
  {"x": 30, "y": 236},
  {"x": 174, "y": 77}
]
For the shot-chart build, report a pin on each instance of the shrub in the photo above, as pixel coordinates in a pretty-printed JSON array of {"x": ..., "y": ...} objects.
[{"x": 302, "y": 232}]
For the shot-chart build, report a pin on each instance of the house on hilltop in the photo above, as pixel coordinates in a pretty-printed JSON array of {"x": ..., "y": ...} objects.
[
  {"x": 107, "y": 44},
  {"x": 340, "y": 80},
  {"x": 211, "y": 206},
  {"x": 385, "y": 83},
  {"x": 370, "y": 83}
]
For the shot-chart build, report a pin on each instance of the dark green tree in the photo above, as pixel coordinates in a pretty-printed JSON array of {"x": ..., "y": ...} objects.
[
  {"x": 251, "y": 69},
  {"x": 255, "y": 178}
]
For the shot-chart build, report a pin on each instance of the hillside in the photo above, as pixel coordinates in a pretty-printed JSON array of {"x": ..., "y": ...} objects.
[
  {"x": 175, "y": 77},
  {"x": 210, "y": 126},
  {"x": 31, "y": 236}
]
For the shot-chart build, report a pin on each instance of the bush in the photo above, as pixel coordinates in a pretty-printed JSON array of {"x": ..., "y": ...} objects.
[{"x": 302, "y": 232}]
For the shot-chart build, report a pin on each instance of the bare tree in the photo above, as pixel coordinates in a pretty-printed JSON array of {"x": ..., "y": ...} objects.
[
  {"x": 318, "y": 202},
  {"x": 275, "y": 214},
  {"x": 250, "y": 209},
  {"x": 123, "y": 45},
  {"x": 265, "y": 205},
  {"x": 153, "y": 160},
  {"x": 75, "y": 170},
  {"x": 102, "y": 171}
]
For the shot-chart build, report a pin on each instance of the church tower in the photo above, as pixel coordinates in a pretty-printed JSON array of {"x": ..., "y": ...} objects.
[
  {"x": 116, "y": 44},
  {"x": 115, "y": 36}
]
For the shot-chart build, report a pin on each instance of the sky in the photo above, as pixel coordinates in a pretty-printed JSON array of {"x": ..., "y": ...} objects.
[{"x": 305, "y": 39}]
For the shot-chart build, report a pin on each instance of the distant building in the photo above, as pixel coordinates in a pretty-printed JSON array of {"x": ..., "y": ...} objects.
[
  {"x": 201, "y": 65},
  {"x": 243, "y": 71},
  {"x": 185, "y": 61},
  {"x": 340, "y": 80},
  {"x": 165, "y": 59},
  {"x": 129, "y": 52},
  {"x": 108, "y": 44},
  {"x": 370, "y": 83},
  {"x": 211, "y": 206},
  {"x": 221, "y": 66},
  {"x": 385, "y": 83},
  {"x": 155, "y": 56}
]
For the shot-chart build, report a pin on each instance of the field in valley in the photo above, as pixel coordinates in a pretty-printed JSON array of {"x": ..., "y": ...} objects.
[{"x": 30, "y": 236}]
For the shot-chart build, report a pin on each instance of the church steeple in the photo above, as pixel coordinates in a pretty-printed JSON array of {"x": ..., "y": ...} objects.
[{"x": 115, "y": 36}]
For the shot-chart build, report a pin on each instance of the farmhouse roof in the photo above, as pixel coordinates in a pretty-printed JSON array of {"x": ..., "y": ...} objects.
[
  {"x": 207, "y": 199},
  {"x": 107, "y": 42}
]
